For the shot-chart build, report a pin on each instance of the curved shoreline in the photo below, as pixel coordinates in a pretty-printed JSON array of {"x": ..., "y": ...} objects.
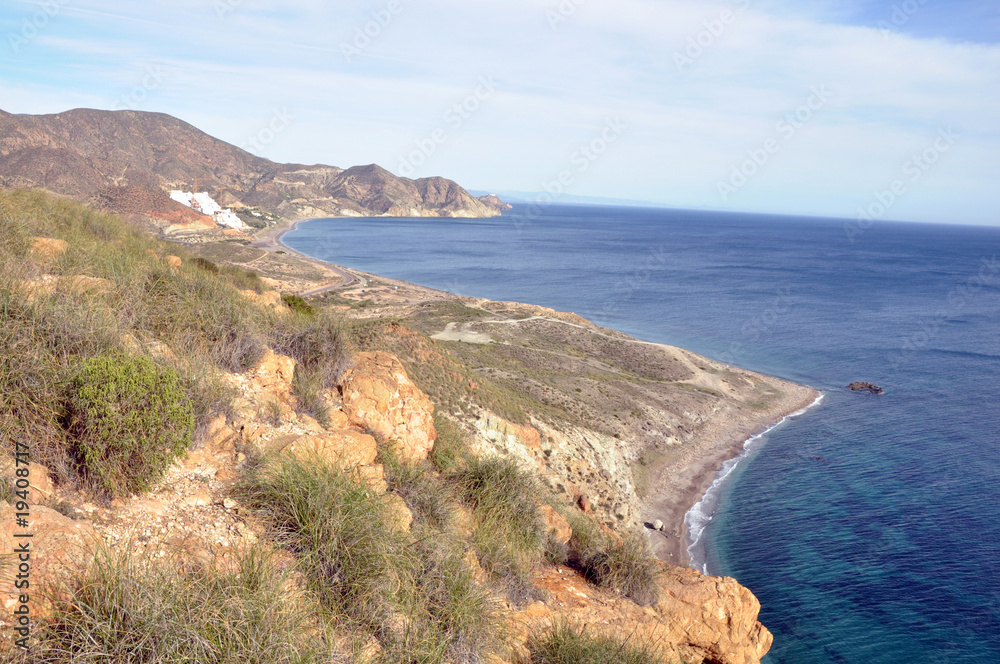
[
  {"x": 681, "y": 483},
  {"x": 272, "y": 241},
  {"x": 678, "y": 485},
  {"x": 721, "y": 479}
]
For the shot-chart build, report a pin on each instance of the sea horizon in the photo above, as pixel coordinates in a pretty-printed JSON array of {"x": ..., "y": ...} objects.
[{"x": 761, "y": 292}]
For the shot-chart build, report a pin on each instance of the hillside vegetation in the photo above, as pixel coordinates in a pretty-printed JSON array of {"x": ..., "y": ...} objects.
[{"x": 118, "y": 358}]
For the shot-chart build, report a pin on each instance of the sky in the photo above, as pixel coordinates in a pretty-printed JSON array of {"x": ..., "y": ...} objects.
[{"x": 866, "y": 109}]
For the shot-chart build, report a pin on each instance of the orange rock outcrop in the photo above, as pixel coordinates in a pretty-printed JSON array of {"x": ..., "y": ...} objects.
[
  {"x": 697, "y": 619},
  {"x": 378, "y": 396}
]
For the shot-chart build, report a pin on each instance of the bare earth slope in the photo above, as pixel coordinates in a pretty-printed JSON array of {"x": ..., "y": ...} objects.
[{"x": 87, "y": 154}]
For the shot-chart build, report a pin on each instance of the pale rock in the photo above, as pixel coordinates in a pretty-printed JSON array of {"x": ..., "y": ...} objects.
[
  {"x": 472, "y": 562},
  {"x": 556, "y": 524},
  {"x": 43, "y": 285},
  {"x": 198, "y": 498},
  {"x": 47, "y": 248},
  {"x": 219, "y": 437},
  {"x": 537, "y": 610},
  {"x": 150, "y": 506},
  {"x": 39, "y": 479},
  {"x": 338, "y": 419},
  {"x": 373, "y": 477},
  {"x": 81, "y": 284},
  {"x": 273, "y": 377},
  {"x": 225, "y": 475},
  {"x": 309, "y": 423},
  {"x": 400, "y": 515},
  {"x": 697, "y": 618},
  {"x": 379, "y": 396},
  {"x": 60, "y": 547},
  {"x": 343, "y": 448}
]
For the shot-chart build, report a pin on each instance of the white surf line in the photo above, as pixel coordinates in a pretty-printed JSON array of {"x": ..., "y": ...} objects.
[{"x": 699, "y": 516}]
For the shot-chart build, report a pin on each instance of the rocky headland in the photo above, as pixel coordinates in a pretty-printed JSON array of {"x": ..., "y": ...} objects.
[{"x": 126, "y": 162}]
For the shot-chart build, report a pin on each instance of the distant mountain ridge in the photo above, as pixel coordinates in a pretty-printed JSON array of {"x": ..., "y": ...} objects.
[{"x": 100, "y": 156}]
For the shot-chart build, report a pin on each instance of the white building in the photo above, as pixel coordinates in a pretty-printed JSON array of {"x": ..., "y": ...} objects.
[{"x": 203, "y": 203}]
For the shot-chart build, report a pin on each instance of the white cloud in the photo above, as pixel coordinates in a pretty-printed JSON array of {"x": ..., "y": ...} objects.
[{"x": 686, "y": 128}]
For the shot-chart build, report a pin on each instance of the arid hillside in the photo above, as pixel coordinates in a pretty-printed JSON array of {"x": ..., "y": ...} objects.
[
  {"x": 111, "y": 157},
  {"x": 210, "y": 469}
]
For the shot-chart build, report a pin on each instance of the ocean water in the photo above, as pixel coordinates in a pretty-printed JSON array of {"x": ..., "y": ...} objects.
[{"x": 869, "y": 527}]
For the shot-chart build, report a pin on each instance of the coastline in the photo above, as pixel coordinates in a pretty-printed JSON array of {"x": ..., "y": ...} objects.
[
  {"x": 681, "y": 483},
  {"x": 271, "y": 242},
  {"x": 678, "y": 484}
]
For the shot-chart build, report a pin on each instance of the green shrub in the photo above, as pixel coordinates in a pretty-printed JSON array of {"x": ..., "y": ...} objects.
[
  {"x": 127, "y": 420},
  {"x": 565, "y": 643},
  {"x": 627, "y": 567},
  {"x": 128, "y": 610},
  {"x": 320, "y": 346},
  {"x": 449, "y": 450},
  {"x": 204, "y": 264},
  {"x": 455, "y": 617},
  {"x": 416, "y": 595},
  {"x": 339, "y": 528},
  {"x": 509, "y": 534},
  {"x": 307, "y": 386},
  {"x": 426, "y": 495},
  {"x": 242, "y": 279},
  {"x": 298, "y": 305}
]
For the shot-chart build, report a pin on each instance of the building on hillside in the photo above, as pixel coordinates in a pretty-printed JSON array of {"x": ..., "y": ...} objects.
[{"x": 204, "y": 203}]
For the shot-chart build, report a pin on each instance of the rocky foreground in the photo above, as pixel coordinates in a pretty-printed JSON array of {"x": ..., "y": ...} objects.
[
  {"x": 609, "y": 424},
  {"x": 697, "y": 617}
]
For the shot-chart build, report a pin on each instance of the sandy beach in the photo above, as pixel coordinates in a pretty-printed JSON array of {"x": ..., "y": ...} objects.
[{"x": 680, "y": 483}]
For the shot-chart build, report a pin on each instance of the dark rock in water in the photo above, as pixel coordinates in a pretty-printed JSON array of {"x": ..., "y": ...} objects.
[{"x": 866, "y": 387}]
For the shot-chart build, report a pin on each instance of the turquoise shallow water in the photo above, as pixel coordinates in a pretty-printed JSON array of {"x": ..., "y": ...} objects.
[{"x": 870, "y": 527}]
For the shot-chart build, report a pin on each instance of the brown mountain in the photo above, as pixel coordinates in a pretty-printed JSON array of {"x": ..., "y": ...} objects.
[{"x": 116, "y": 159}]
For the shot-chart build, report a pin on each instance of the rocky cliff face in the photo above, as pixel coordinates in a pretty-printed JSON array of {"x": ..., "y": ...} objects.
[
  {"x": 697, "y": 618},
  {"x": 379, "y": 396},
  {"x": 111, "y": 158}
]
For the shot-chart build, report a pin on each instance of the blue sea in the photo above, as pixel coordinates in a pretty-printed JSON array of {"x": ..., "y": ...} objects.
[{"x": 869, "y": 527}]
